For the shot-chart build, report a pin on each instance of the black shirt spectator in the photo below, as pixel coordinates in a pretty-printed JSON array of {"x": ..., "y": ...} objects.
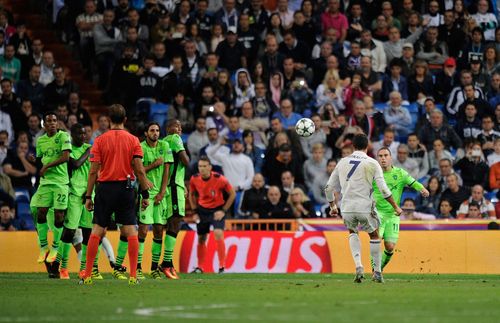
[
  {"x": 19, "y": 169},
  {"x": 437, "y": 129},
  {"x": 274, "y": 208},
  {"x": 58, "y": 90},
  {"x": 176, "y": 81},
  {"x": 10, "y": 103},
  {"x": 454, "y": 193},
  {"x": 292, "y": 47},
  {"x": 254, "y": 199},
  {"x": 31, "y": 89},
  {"x": 472, "y": 168},
  {"x": 274, "y": 167},
  {"x": 231, "y": 52}
]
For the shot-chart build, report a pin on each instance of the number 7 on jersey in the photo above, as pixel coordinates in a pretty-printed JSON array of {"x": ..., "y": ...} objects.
[{"x": 355, "y": 164}]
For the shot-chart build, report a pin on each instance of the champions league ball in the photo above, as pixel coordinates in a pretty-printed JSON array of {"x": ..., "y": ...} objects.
[{"x": 305, "y": 127}]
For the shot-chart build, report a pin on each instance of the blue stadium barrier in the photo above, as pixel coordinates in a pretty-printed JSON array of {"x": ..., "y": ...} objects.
[
  {"x": 24, "y": 217},
  {"x": 158, "y": 112},
  {"x": 22, "y": 195}
]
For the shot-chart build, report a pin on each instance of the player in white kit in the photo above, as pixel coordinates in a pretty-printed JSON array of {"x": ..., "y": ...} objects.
[{"x": 353, "y": 179}]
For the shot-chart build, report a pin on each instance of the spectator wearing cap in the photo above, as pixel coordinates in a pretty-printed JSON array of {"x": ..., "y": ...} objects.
[
  {"x": 394, "y": 81},
  {"x": 451, "y": 34},
  {"x": 479, "y": 77},
  {"x": 408, "y": 59},
  {"x": 457, "y": 95},
  {"x": 432, "y": 50},
  {"x": 237, "y": 167},
  {"x": 231, "y": 52},
  {"x": 283, "y": 161},
  {"x": 394, "y": 46},
  {"x": 486, "y": 208},
  {"x": 445, "y": 80}
]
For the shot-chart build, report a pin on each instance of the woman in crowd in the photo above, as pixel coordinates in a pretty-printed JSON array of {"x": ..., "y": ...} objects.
[{"x": 301, "y": 204}]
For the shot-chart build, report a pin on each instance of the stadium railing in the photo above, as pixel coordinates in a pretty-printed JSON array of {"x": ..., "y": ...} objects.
[{"x": 262, "y": 225}]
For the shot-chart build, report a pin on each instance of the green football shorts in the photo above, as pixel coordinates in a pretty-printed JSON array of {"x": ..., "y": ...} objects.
[
  {"x": 389, "y": 228},
  {"x": 51, "y": 196}
]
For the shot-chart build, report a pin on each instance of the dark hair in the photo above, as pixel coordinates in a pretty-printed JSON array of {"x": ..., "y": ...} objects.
[
  {"x": 205, "y": 159},
  {"x": 474, "y": 203},
  {"x": 410, "y": 200},
  {"x": 331, "y": 160},
  {"x": 396, "y": 62},
  {"x": 50, "y": 113},
  {"x": 385, "y": 148},
  {"x": 493, "y": 225},
  {"x": 152, "y": 123},
  {"x": 246, "y": 133},
  {"x": 117, "y": 114},
  {"x": 74, "y": 128},
  {"x": 413, "y": 134},
  {"x": 360, "y": 141},
  {"x": 439, "y": 183}
]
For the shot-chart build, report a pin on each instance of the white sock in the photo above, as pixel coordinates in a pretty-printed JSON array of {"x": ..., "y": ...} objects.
[
  {"x": 376, "y": 254},
  {"x": 355, "y": 245},
  {"x": 108, "y": 249}
]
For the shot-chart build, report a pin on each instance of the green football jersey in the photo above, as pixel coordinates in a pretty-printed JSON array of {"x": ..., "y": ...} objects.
[
  {"x": 177, "y": 170},
  {"x": 79, "y": 176},
  {"x": 397, "y": 179},
  {"x": 151, "y": 154},
  {"x": 51, "y": 149}
]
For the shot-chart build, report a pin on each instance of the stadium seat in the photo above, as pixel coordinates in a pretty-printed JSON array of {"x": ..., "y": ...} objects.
[
  {"x": 22, "y": 195},
  {"x": 158, "y": 112},
  {"x": 24, "y": 216},
  {"x": 408, "y": 194}
]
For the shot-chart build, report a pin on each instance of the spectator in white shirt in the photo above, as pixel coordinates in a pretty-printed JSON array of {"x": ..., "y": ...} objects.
[{"x": 237, "y": 167}]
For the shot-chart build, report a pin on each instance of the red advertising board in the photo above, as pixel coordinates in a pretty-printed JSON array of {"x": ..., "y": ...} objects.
[{"x": 262, "y": 252}]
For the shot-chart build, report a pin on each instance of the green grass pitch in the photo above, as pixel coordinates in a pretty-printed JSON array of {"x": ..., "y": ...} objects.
[{"x": 253, "y": 297}]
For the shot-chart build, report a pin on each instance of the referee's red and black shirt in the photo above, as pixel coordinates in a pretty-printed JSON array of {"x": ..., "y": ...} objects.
[
  {"x": 114, "y": 150},
  {"x": 210, "y": 191}
]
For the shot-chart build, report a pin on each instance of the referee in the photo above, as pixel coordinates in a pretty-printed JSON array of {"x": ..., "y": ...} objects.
[
  {"x": 115, "y": 156},
  {"x": 206, "y": 197}
]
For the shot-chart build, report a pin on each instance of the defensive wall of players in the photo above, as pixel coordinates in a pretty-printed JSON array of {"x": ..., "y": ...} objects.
[{"x": 427, "y": 247}]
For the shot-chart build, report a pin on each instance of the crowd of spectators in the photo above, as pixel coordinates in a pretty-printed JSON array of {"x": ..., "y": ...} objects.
[{"x": 420, "y": 77}]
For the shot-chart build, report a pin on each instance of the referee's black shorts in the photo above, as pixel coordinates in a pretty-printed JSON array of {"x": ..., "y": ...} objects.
[
  {"x": 207, "y": 219},
  {"x": 114, "y": 198}
]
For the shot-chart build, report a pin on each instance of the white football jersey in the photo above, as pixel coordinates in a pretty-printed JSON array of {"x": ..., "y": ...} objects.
[{"x": 353, "y": 178}]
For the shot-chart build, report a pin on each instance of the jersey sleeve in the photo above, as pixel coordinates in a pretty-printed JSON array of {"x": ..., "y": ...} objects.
[
  {"x": 226, "y": 186},
  {"x": 95, "y": 152},
  {"x": 332, "y": 185},
  {"x": 379, "y": 180},
  {"x": 177, "y": 144},
  {"x": 410, "y": 181},
  {"x": 65, "y": 141},
  {"x": 137, "y": 148},
  {"x": 168, "y": 157}
]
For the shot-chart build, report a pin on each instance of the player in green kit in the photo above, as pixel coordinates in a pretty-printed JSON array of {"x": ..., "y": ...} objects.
[
  {"x": 397, "y": 179},
  {"x": 157, "y": 160},
  {"x": 176, "y": 200},
  {"x": 79, "y": 167},
  {"x": 52, "y": 151}
]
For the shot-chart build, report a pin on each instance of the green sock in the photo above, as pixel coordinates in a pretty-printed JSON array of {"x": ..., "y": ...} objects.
[
  {"x": 156, "y": 253},
  {"x": 57, "y": 232},
  {"x": 122, "y": 251},
  {"x": 141, "y": 252},
  {"x": 83, "y": 260},
  {"x": 169, "y": 248},
  {"x": 64, "y": 250},
  {"x": 43, "y": 230},
  {"x": 96, "y": 260},
  {"x": 386, "y": 257}
]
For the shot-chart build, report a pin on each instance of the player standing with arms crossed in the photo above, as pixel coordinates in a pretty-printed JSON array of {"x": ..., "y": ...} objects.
[
  {"x": 206, "y": 198},
  {"x": 115, "y": 156},
  {"x": 396, "y": 179},
  {"x": 157, "y": 159},
  {"x": 52, "y": 151},
  {"x": 176, "y": 200},
  {"x": 353, "y": 178}
]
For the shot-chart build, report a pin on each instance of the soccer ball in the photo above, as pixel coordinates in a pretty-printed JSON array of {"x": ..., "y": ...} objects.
[{"x": 305, "y": 127}]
